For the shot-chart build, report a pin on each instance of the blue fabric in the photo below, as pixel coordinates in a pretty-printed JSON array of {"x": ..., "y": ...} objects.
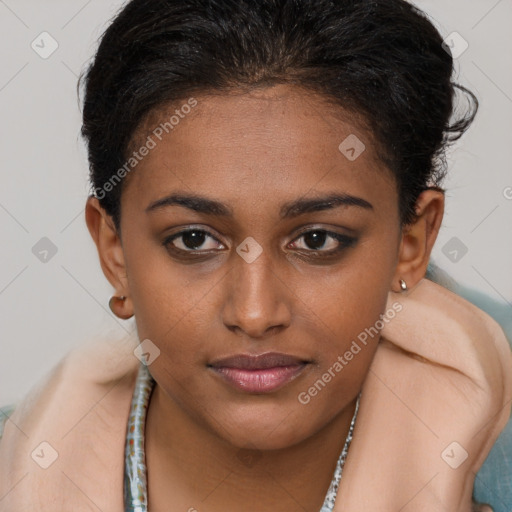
[
  {"x": 493, "y": 483},
  {"x": 5, "y": 412}
]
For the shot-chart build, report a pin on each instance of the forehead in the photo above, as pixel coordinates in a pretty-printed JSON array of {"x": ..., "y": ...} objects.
[{"x": 279, "y": 143}]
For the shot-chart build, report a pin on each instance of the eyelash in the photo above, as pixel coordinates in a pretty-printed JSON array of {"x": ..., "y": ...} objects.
[{"x": 344, "y": 241}]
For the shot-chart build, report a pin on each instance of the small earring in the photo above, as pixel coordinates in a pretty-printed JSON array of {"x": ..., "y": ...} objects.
[
  {"x": 403, "y": 285},
  {"x": 115, "y": 304}
]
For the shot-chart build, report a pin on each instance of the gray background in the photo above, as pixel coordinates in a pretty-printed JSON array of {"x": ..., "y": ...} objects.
[{"x": 47, "y": 308}]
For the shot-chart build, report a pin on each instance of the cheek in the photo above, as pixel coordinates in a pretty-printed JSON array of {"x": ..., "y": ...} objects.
[
  {"x": 166, "y": 304},
  {"x": 172, "y": 320},
  {"x": 345, "y": 349},
  {"x": 346, "y": 316},
  {"x": 346, "y": 305}
]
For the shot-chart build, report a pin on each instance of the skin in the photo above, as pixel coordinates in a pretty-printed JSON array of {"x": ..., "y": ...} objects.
[{"x": 210, "y": 447}]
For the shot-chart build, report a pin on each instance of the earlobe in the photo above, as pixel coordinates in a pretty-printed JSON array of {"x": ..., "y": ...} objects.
[
  {"x": 108, "y": 243},
  {"x": 119, "y": 306},
  {"x": 418, "y": 238}
]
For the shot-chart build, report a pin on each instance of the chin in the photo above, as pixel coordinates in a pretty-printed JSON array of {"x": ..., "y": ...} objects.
[
  {"x": 264, "y": 442},
  {"x": 264, "y": 431}
]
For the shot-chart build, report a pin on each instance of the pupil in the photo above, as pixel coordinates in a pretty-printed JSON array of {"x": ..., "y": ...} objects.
[
  {"x": 315, "y": 239},
  {"x": 193, "y": 237}
]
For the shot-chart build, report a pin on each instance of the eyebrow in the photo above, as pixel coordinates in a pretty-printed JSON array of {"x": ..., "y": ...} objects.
[{"x": 289, "y": 210}]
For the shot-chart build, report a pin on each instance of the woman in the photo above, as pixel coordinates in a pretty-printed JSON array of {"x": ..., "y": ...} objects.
[{"x": 266, "y": 181}]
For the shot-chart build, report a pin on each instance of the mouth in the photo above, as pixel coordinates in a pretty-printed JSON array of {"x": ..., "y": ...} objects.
[{"x": 263, "y": 373}]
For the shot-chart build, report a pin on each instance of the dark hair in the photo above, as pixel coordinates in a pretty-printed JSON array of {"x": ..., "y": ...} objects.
[{"x": 381, "y": 60}]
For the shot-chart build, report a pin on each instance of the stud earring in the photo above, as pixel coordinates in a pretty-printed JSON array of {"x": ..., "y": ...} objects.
[
  {"x": 403, "y": 285},
  {"x": 116, "y": 306}
]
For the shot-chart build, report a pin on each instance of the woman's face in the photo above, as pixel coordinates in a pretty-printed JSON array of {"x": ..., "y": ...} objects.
[{"x": 262, "y": 270}]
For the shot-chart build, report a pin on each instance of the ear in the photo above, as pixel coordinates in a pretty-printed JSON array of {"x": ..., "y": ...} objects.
[
  {"x": 110, "y": 250},
  {"x": 418, "y": 238}
]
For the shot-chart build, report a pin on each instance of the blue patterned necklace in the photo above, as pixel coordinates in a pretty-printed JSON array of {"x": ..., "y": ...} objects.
[{"x": 135, "y": 484}]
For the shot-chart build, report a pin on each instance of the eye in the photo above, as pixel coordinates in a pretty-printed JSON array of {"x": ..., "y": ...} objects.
[
  {"x": 316, "y": 242},
  {"x": 318, "y": 239},
  {"x": 191, "y": 240}
]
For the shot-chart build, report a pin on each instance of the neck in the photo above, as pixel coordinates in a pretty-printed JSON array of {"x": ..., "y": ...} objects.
[{"x": 191, "y": 468}]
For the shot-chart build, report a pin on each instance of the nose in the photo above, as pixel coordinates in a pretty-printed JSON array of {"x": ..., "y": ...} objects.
[{"x": 257, "y": 301}]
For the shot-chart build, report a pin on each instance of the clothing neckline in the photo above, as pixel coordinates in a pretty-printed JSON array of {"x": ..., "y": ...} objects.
[{"x": 135, "y": 482}]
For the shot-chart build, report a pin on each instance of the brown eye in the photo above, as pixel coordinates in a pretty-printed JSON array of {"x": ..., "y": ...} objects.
[
  {"x": 191, "y": 241},
  {"x": 320, "y": 240}
]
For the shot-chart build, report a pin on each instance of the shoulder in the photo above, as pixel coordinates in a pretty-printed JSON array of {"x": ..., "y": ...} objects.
[{"x": 493, "y": 483}]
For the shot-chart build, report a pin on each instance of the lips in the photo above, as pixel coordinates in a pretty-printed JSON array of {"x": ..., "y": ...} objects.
[
  {"x": 259, "y": 362},
  {"x": 263, "y": 373}
]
